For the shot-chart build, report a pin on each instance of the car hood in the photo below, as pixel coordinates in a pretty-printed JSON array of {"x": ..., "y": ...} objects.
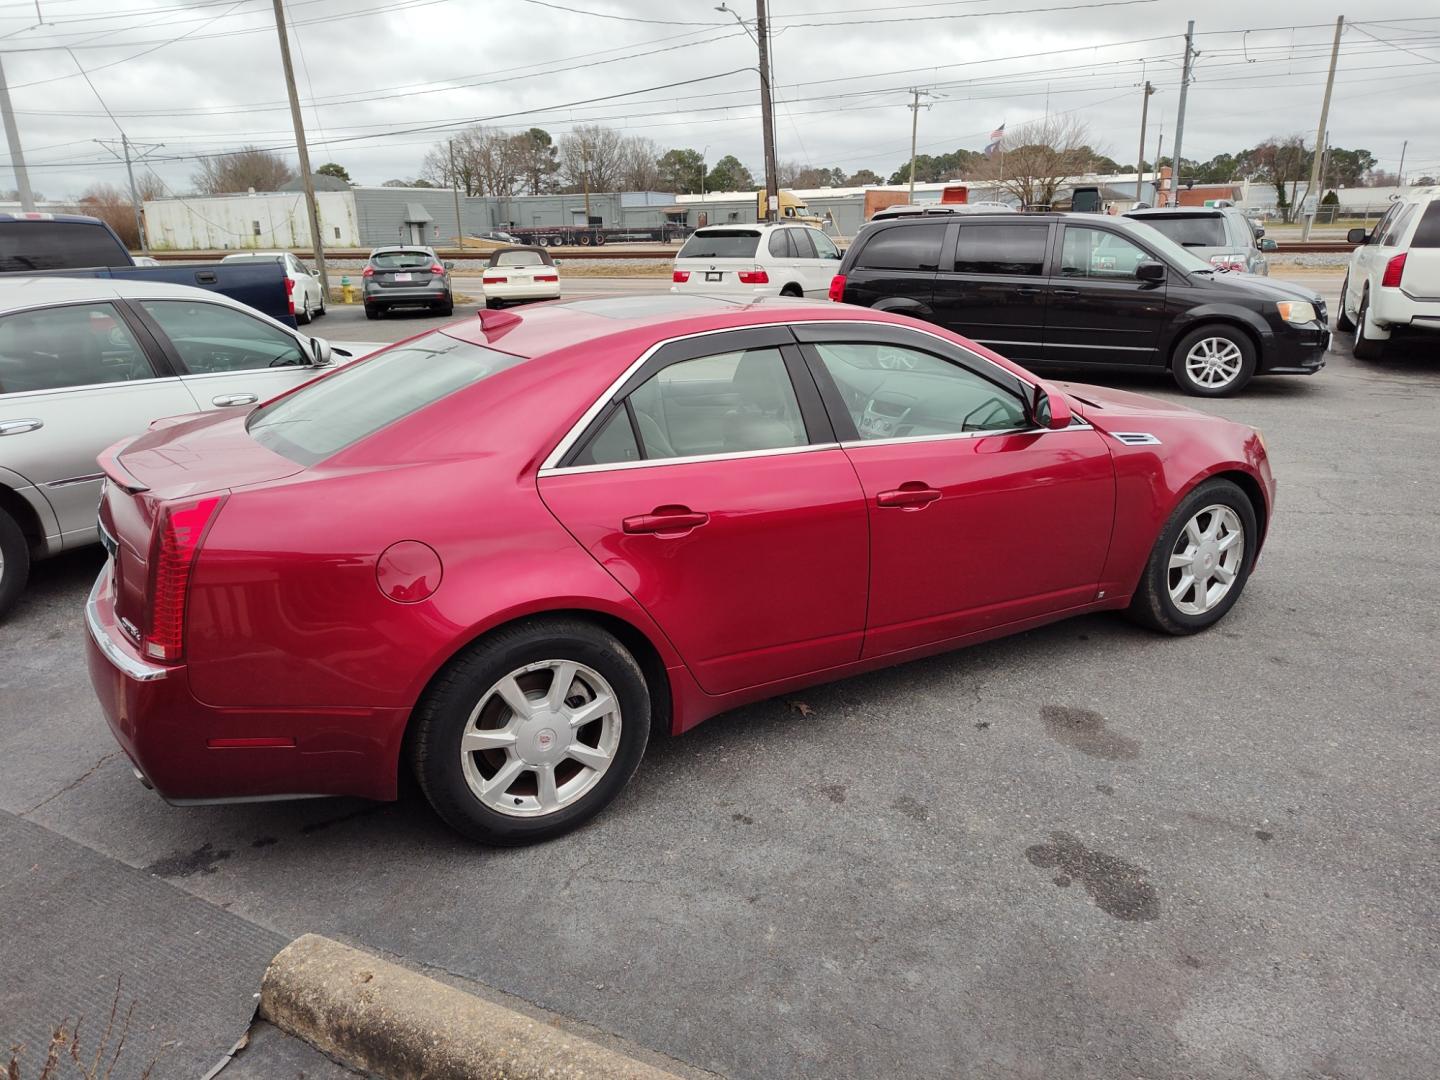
[
  {"x": 1263, "y": 288},
  {"x": 1113, "y": 410}
]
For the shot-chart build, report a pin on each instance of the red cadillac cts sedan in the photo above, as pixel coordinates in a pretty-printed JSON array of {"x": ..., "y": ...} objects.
[{"x": 507, "y": 553}]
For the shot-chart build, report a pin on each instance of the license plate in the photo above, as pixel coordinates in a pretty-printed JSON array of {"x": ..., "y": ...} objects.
[
  {"x": 717, "y": 275},
  {"x": 404, "y": 277}
]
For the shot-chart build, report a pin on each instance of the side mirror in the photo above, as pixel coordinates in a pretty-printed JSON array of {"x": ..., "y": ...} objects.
[
  {"x": 449, "y": 266},
  {"x": 1356, "y": 236},
  {"x": 1150, "y": 271},
  {"x": 555, "y": 261},
  {"x": 1050, "y": 408},
  {"x": 1269, "y": 245},
  {"x": 321, "y": 352},
  {"x": 1259, "y": 231}
]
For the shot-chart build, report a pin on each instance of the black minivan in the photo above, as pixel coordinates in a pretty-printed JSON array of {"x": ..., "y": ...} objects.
[{"x": 1087, "y": 290}]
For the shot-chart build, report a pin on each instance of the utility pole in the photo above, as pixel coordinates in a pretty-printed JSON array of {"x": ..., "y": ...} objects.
[
  {"x": 1159, "y": 146},
  {"x": 301, "y": 149},
  {"x": 1140, "y": 162},
  {"x": 914, "y": 128},
  {"x": 1311, "y": 192},
  {"x": 585, "y": 172},
  {"x": 455, "y": 190},
  {"x": 123, "y": 153},
  {"x": 17, "y": 156},
  {"x": 1401, "y": 174},
  {"x": 767, "y": 114},
  {"x": 1190, "y": 55}
]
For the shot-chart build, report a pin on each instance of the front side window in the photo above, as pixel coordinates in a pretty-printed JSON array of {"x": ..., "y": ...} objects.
[
  {"x": 214, "y": 338},
  {"x": 904, "y": 247},
  {"x": 1002, "y": 249},
  {"x": 728, "y": 403},
  {"x": 893, "y": 392},
  {"x": 824, "y": 247},
  {"x": 1096, "y": 253},
  {"x": 80, "y": 345}
]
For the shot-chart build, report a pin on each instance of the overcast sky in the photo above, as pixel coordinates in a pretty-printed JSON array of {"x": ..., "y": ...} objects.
[{"x": 371, "y": 71}]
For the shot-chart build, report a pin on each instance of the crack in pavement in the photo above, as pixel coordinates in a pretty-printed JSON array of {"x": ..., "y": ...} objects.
[{"x": 72, "y": 785}]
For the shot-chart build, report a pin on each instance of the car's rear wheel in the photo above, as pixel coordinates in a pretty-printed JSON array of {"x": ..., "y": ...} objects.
[
  {"x": 1212, "y": 361},
  {"x": 1367, "y": 345},
  {"x": 304, "y": 315},
  {"x": 1199, "y": 565},
  {"x": 447, "y": 307},
  {"x": 14, "y": 561},
  {"x": 494, "y": 302},
  {"x": 792, "y": 290},
  {"x": 532, "y": 731},
  {"x": 1342, "y": 319},
  {"x": 371, "y": 311}
]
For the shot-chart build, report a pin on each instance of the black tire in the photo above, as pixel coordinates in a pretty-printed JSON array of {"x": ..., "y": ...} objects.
[
  {"x": 584, "y": 239},
  {"x": 492, "y": 303},
  {"x": 1218, "y": 332},
  {"x": 14, "y": 562},
  {"x": 371, "y": 311},
  {"x": 444, "y": 713},
  {"x": 446, "y": 309},
  {"x": 542, "y": 241},
  {"x": 302, "y": 317},
  {"x": 599, "y": 239},
  {"x": 1366, "y": 348},
  {"x": 1152, "y": 604},
  {"x": 792, "y": 290},
  {"x": 1342, "y": 320}
]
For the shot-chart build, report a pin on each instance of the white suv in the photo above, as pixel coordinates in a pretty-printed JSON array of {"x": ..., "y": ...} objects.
[
  {"x": 1394, "y": 276},
  {"x": 756, "y": 260}
]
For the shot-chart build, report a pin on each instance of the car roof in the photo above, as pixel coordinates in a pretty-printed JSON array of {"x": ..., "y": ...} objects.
[
  {"x": 255, "y": 255},
  {"x": 81, "y": 219},
  {"x": 1178, "y": 211},
  {"x": 22, "y": 293},
  {"x": 747, "y": 225}
]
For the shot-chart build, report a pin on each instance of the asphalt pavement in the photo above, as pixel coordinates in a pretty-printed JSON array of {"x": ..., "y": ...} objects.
[{"x": 1085, "y": 851}]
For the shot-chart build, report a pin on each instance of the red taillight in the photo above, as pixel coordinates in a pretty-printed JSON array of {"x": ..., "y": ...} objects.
[
  {"x": 436, "y": 268},
  {"x": 369, "y": 271},
  {"x": 547, "y": 277},
  {"x": 837, "y": 288},
  {"x": 180, "y": 530},
  {"x": 680, "y": 277},
  {"x": 290, "y": 293},
  {"x": 494, "y": 281},
  {"x": 1393, "y": 269},
  {"x": 754, "y": 277}
]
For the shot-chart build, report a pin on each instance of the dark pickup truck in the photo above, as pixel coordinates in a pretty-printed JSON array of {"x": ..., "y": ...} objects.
[{"x": 74, "y": 246}]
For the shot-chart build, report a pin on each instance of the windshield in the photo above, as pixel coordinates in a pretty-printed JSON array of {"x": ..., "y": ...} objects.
[
  {"x": 724, "y": 244},
  {"x": 1161, "y": 243},
  {"x": 400, "y": 260},
  {"x": 331, "y": 413},
  {"x": 1189, "y": 230}
]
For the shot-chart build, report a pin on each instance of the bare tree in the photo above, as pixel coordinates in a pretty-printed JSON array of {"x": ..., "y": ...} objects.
[
  {"x": 112, "y": 205},
  {"x": 1037, "y": 158},
  {"x": 594, "y": 154},
  {"x": 639, "y": 164},
  {"x": 248, "y": 167}
]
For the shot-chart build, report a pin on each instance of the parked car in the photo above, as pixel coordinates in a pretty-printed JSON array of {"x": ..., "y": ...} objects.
[
  {"x": 498, "y": 236},
  {"x": 406, "y": 277},
  {"x": 516, "y": 548},
  {"x": 907, "y": 210},
  {"x": 1221, "y": 235},
  {"x": 520, "y": 273},
  {"x": 72, "y": 245},
  {"x": 755, "y": 260},
  {"x": 1087, "y": 290},
  {"x": 1393, "y": 282},
  {"x": 84, "y": 362},
  {"x": 307, "y": 295}
]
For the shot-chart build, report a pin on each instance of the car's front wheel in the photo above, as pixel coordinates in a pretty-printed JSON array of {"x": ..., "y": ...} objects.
[
  {"x": 14, "y": 561},
  {"x": 1199, "y": 565},
  {"x": 1213, "y": 361},
  {"x": 532, "y": 731}
]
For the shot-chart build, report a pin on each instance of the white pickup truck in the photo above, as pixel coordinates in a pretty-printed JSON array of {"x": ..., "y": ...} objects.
[{"x": 1394, "y": 276}]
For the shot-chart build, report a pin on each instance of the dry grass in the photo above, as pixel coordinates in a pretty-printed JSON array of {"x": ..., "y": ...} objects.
[{"x": 64, "y": 1057}]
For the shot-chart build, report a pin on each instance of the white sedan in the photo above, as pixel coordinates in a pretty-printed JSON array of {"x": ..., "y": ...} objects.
[{"x": 520, "y": 273}]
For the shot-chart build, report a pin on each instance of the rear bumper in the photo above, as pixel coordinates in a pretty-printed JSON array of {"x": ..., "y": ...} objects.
[
  {"x": 1393, "y": 308},
  {"x": 189, "y": 751},
  {"x": 1295, "y": 352},
  {"x": 544, "y": 291},
  {"x": 421, "y": 294}
]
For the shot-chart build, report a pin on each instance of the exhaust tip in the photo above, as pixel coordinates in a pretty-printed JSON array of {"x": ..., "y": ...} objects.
[{"x": 144, "y": 780}]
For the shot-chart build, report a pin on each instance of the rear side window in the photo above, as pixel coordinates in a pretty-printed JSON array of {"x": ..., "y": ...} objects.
[
  {"x": 1427, "y": 233},
  {"x": 1002, "y": 249},
  {"x": 904, "y": 247},
  {"x": 725, "y": 244},
  {"x": 57, "y": 245},
  {"x": 1189, "y": 230},
  {"x": 324, "y": 417},
  {"x": 1398, "y": 224}
]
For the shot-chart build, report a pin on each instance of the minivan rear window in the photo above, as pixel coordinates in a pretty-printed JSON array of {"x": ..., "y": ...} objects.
[
  {"x": 904, "y": 247},
  {"x": 1188, "y": 230},
  {"x": 325, "y": 416},
  {"x": 726, "y": 244}
]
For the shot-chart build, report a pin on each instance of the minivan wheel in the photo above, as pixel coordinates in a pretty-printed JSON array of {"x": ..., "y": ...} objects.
[
  {"x": 14, "y": 562},
  {"x": 1367, "y": 346},
  {"x": 1342, "y": 318},
  {"x": 1199, "y": 565},
  {"x": 1212, "y": 361},
  {"x": 532, "y": 731}
]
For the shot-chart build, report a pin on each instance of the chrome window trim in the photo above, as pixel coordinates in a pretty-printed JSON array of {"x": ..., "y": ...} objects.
[
  {"x": 1075, "y": 425},
  {"x": 71, "y": 481},
  {"x": 551, "y": 465},
  {"x": 21, "y": 395},
  {"x": 133, "y": 667},
  {"x": 648, "y": 463}
]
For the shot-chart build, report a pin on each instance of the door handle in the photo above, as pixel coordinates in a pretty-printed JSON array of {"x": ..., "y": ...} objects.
[
  {"x": 913, "y": 495},
  {"x": 1064, "y": 292},
  {"x": 234, "y": 399},
  {"x": 1028, "y": 290},
  {"x": 665, "y": 519},
  {"x": 19, "y": 427}
]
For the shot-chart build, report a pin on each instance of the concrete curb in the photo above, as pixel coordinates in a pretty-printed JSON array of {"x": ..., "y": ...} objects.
[{"x": 373, "y": 1015}]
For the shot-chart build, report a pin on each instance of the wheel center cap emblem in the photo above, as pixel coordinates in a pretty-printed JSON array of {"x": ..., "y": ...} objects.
[{"x": 544, "y": 739}]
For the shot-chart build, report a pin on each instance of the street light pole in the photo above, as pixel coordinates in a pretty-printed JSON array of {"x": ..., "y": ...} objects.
[
  {"x": 17, "y": 156},
  {"x": 302, "y": 151}
]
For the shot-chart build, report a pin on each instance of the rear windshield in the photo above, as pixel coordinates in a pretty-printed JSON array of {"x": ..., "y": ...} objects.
[
  {"x": 726, "y": 244},
  {"x": 401, "y": 260},
  {"x": 1189, "y": 230},
  {"x": 57, "y": 245},
  {"x": 328, "y": 415},
  {"x": 517, "y": 258}
]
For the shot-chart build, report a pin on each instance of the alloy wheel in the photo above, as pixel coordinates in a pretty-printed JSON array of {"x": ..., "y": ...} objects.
[
  {"x": 1206, "y": 559},
  {"x": 540, "y": 738},
  {"x": 1214, "y": 362}
]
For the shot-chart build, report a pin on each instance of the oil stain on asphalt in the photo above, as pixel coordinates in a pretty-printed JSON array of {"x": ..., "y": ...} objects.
[
  {"x": 203, "y": 860},
  {"x": 1083, "y": 730},
  {"x": 1118, "y": 887}
]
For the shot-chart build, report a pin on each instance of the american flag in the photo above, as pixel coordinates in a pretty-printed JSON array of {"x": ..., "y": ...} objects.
[
  {"x": 996, "y": 137},
  {"x": 998, "y": 133}
]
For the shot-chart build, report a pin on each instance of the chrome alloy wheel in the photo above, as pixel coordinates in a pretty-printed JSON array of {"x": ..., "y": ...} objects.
[
  {"x": 540, "y": 738},
  {"x": 1206, "y": 559},
  {"x": 1214, "y": 362}
]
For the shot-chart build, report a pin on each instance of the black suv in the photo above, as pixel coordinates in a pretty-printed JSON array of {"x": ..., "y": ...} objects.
[{"x": 1087, "y": 290}]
